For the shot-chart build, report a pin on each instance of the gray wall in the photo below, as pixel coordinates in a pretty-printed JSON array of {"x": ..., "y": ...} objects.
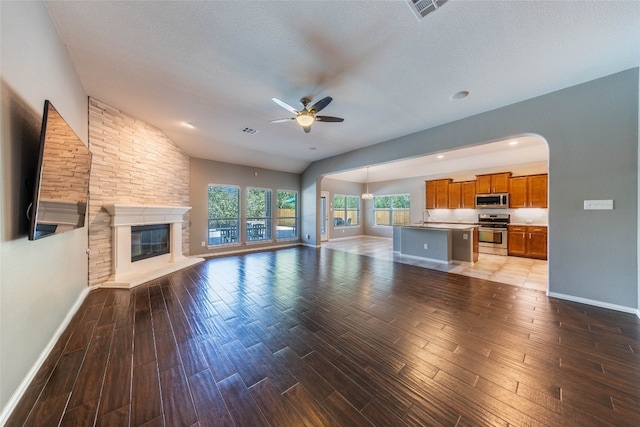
[
  {"x": 40, "y": 281},
  {"x": 592, "y": 132},
  {"x": 205, "y": 172}
]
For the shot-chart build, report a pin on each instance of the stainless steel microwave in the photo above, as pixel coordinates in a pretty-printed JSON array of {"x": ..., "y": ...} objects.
[{"x": 498, "y": 200}]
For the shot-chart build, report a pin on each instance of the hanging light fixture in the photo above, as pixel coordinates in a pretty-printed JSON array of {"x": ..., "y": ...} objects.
[{"x": 367, "y": 195}]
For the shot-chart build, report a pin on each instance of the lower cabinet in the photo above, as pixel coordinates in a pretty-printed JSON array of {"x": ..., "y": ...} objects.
[{"x": 528, "y": 241}]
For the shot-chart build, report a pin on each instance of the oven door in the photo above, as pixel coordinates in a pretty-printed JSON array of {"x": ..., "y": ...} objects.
[{"x": 492, "y": 241}]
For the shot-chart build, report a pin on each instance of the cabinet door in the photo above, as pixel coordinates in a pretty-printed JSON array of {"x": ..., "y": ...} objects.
[
  {"x": 537, "y": 191},
  {"x": 454, "y": 195},
  {"x": 468, "y": 198},
  {"x": 483, "y": 184},
  {"x": 518, "y": 192},
  {"x": 430, "y": 196},
  {"x": 500, "y": 182},
  {"x": 442, "y": 194},
  {"x": 517, "y": 241},
  {"x": 537, "y": 242}
]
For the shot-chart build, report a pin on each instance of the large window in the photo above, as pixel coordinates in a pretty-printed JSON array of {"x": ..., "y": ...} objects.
[
  {"x": 392, "y": 210},
  {"x": 287, "y": 219},
  {"x": 346, "y": 210},
  {"x": 224, "y": 214},
  {"x": 258, "y": 213}
]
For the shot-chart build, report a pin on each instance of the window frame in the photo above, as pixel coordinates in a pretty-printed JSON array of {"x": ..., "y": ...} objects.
[
  {"x": 390, "y": 209},
  {"x": 345, "y": 211},
  {"x": 254, "y": 231},
  {"x": 295, "y": 218},
  {"x": 228, "y": 236}
]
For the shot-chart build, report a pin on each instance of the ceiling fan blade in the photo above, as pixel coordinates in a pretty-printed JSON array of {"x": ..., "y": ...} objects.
[
  {"x": 329, "y": 119},
  {"x": 282, "y": 120},
  {"x": 321, "y": 104},
  {"x": 285, "y": 105},
  {"x": 307, "y": 129}
]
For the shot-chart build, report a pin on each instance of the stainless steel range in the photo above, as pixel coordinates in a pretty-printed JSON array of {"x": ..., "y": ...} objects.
[{"x": 492, "y": 233}]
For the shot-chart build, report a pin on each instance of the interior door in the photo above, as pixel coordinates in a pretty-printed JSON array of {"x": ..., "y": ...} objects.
[{"x": 324, "y": 211}]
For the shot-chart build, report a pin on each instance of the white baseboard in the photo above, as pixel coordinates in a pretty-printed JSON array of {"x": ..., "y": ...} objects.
[
  {"x": 17, "y": 395},
  {"x": 616, "y": 307},
  {"x": 247, "y": 249}
]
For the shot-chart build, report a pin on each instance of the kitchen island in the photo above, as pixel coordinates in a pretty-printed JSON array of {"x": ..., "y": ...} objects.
[{"x": 438, "y": 242}]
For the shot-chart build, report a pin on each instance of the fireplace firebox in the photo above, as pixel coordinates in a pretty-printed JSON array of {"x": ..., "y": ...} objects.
[{"x": 148, "y": 241}]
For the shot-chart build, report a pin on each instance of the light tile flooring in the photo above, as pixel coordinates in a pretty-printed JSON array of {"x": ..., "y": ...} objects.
[{"x": 524, "y": 272}]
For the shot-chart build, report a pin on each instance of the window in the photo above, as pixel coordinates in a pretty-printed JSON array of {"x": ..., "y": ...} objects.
[
  {"x": 392, "y": 210},
  {"x": 224, "y": 214},
  {"x": 346, "y": 210},
  {"x": 258, "y": 213},
  {"x": 287, "y": 220}
]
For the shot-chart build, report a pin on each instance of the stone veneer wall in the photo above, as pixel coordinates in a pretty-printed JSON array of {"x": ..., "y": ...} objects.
[{"x": 133, "y": 163}]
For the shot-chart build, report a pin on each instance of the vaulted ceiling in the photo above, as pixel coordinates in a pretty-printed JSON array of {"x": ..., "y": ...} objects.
[{"x": 216, "y": 65}]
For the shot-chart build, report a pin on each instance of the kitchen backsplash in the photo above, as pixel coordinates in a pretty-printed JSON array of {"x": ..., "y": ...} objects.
[{"x": 535, "y": 216}]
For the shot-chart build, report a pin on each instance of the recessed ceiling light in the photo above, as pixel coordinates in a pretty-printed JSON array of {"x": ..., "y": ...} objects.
[
  {"x": 513, "y": 142},
  {"x": 460, "y": 95},
  {"x": 440, "y": 156},
  {"x": 188, "y": 125}
]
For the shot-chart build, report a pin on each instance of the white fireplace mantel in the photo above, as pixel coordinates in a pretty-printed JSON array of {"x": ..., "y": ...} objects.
[{"x": 127, "y": 274}]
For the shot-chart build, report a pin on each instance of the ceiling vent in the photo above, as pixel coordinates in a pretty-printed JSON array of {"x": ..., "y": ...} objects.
[
  {"x": 422, "y": 8},
  {"x": 250, "y": 131}
]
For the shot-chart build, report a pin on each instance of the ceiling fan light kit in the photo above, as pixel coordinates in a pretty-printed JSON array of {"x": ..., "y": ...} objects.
[{"x": 307, "y": 116}]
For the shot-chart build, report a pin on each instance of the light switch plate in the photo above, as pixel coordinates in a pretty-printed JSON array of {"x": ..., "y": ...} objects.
[{"x": 598, "y": 205}]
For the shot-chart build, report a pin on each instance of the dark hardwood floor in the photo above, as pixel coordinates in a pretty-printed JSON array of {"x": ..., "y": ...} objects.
[{"x": 310, "y": 337}]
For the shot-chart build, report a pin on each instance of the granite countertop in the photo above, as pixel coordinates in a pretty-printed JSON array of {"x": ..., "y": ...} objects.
[
  {"x": 519, "y": 224},
  {"x": 443, "y": 225}
]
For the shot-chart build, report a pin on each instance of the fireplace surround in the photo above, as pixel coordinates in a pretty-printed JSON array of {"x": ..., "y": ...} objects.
[{"x": 127, "y": 273}]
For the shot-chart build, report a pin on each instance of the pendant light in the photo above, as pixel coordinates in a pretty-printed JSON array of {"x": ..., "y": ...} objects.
[{"x": 367, "y": 195}]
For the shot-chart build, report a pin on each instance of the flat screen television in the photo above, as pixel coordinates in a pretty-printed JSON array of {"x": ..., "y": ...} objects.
[{"x": 61, "y": 187}]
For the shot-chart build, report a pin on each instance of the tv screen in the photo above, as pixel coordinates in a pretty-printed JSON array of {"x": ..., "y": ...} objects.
[{"x": 62, "y": 180}]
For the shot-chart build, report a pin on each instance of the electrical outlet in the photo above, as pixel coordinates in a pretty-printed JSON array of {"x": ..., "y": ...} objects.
[
  {"x": 465, "y": 236},
  {"x": 308, "y": 236},
  {"x": 426, "y": 246},
  {"x": 203, "y": 244}
]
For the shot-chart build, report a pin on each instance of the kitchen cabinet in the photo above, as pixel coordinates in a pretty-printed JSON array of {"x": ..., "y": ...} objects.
[
  {"x": 528, "y": 191},
  {"x": 493, "y": 183},
  {"x": 455, "y": 193},
  {"x": 528, "y": 241},
  {"x": 468, "y": 197},
  {"x": 437, "y": 194}
]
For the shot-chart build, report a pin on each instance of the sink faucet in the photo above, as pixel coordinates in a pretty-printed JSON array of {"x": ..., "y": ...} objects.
[{"x": 428, "y": 215}]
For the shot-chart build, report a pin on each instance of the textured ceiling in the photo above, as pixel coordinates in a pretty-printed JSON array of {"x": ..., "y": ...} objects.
[{"x": 218, "y": 64}]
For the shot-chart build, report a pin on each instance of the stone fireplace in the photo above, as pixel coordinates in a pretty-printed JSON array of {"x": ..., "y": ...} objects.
[{"x": 128, "y": 271}]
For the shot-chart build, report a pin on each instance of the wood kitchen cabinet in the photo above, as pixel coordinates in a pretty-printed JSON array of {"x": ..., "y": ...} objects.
[
  {"x": 455, "y": 195},
  {"x": 468, "y": 197},
  {"x": 493, "y": 183},
  {"x": 528, "y": 241},
  {"x": 528, "y": 191},
  {"x": 437, "y": 194}
]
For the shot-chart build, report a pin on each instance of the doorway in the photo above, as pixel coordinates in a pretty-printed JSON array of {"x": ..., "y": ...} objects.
[{"x": 324, "y": 211}]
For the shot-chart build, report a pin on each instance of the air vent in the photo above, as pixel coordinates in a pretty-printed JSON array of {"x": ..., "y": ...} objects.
[
  {"x": 250, "y": 131},
  {"x": 422, "y": 8}
]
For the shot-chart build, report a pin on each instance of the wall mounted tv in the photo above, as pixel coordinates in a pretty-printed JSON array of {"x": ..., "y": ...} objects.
[{"x": 62, "y": 179}]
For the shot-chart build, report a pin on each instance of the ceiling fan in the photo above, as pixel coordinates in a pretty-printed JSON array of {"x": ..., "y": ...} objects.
[{"x": 307, "y": 116}]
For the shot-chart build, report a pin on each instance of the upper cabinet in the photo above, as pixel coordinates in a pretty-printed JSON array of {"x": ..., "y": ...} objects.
[
  {"x": 468, "y": 197},
  {"x": 528, "y": 191},
  {"x": 437, "y": 194},
  {"x": 524, "y": 191},
  {"x": 493, "y": 183}
]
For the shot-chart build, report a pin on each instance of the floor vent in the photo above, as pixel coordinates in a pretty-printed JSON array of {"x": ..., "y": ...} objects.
[
  {"x": 250, "y": 131},
  {"x": 422, "y": 8}
]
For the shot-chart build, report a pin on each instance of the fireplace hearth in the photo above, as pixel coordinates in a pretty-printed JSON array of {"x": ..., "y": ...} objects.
[{"x": 146, "y": 242}]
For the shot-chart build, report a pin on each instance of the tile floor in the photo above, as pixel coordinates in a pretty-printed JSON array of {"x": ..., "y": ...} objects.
[{"x": 525, "y": 272}]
